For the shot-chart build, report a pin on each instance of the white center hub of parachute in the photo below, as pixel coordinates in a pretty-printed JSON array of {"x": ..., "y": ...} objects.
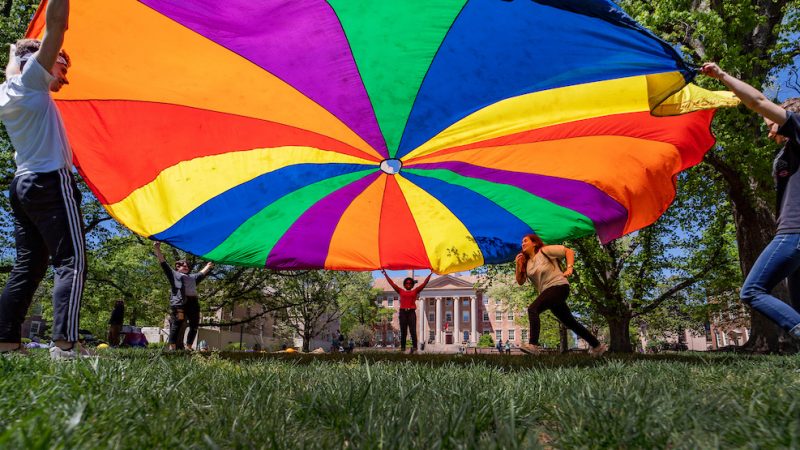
[{"x": 391, "y": 166}]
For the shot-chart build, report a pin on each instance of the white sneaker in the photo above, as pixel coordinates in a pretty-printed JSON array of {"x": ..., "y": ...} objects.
[
  {"x": 59, "y": 354},
  {"x": 77, "y": 351}
]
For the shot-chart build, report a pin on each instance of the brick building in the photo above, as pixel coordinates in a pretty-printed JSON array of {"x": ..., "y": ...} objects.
[{"x": 451, "y": 312}]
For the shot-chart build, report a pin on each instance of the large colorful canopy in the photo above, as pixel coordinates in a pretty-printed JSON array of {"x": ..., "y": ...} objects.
[{"x": 360, "y": 134}]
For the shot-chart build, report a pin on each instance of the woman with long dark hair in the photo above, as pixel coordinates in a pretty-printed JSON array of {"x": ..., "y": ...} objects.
[{"x": 540, "y": 264}]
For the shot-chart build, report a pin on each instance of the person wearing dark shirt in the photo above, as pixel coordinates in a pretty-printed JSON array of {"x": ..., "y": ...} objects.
[
  {"x": 408, "y": 308},
  {"x": 183, "y": 301},
  {"x": 115, "y": 323},
  {"x": 781, "y": 258}
]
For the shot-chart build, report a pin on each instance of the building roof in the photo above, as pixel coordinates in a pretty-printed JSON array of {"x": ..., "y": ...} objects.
[{"x": 437, "y": 283}]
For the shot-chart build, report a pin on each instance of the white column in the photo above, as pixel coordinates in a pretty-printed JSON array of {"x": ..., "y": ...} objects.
[
  {"x": 421, "y": 323},
  {"x": 473, "y": 316},
  {"x": 439, "y": 338},
  {"x": 457, "y": 338}
]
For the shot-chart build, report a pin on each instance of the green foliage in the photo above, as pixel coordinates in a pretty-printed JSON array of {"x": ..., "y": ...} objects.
[
  {"x": 130, "y": 399},
  {"x": 316, "y": 299},
  {"x": 358, "y": 304},
  {"x": 486, "y": 341}
]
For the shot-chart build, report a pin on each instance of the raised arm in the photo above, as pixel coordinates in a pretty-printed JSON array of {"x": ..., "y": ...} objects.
[
  {"x": 391, "y": 283},
  {"x": 519, "y": 271},
  {"x": 424, "y": 283},
  {"x": 204, "y": 271},
  {"x": 12, "y": 68},
  {"x": 56, "y": 18},
  {"x": 157, "y": 251},
  {"x": 750, "y": 96}
]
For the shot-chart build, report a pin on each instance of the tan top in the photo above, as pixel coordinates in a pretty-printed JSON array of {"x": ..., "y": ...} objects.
[{"x": 543, "y": 269}]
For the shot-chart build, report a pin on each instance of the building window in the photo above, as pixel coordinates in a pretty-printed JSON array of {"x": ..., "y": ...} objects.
[
  {"x": 498, "y": 315},
  {"x": 466, "y": 336},
  {"x": 448, "y": 317},
  {"x": 431, "y": 317},
  {"x": 524, "y": 334},
  {"x": 391, "y": 302},
  {"x": 431, "y": 301},
  {"x": 35, "y": 327},
  {"x": 431, "y": 336},
  {"x": 485, "y": 316},
  {"x": 485, "y": 300},
  {"x": 449, "y": 302},
  {"x": 465, "y": 316},
  {"x": 511, "y": 315},
  {"x": 498, "y": 335},
  {"x": 465, "y": 302},
  {"x": 389, "y": 337},
  {"x": 511, "y": 335}
]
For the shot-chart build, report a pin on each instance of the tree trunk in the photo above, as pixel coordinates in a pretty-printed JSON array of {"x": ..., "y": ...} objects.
[
  {"x": 306, "y": 343},
  {"x": 619, "y": 333},
  {"x": 563, "y": 340}
]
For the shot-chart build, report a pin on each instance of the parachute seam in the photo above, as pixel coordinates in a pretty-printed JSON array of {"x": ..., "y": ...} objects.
[
  {"x": 265, "y": 70},
  {"x": 425, "y": 77},
  {"x": 361, "y": 79}
]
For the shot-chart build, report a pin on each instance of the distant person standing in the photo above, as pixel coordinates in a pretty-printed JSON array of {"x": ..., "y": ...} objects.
[
  {"x": 408, "y": 308},
  {"x": 45, "y": 200},
  {"x": 115, "y": 323},
  {"x": 183, "y": 298},
  {"x": 500, "y": 346}
]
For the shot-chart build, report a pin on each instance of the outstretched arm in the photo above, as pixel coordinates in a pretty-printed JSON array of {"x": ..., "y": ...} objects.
[
  {"x": 56, "y": 17},
  {"x": 391, "y": 283},
  {"x": 157, "y": 251},
  {"x": 750, "y": 96},
  {"x": 204, "y": 271}
]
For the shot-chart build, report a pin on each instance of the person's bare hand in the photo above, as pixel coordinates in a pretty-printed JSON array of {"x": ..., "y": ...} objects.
[{"x": 712, "y": 70}]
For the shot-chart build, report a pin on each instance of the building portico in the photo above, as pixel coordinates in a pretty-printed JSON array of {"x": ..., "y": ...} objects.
[{"x": 450, "y": 313}]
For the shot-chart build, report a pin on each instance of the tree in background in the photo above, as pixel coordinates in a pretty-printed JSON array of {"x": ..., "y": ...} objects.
[
  {"x": 360, "y": 310},
  {"x": 318, "y": 297},
  {"x": 753, "y": 40}
]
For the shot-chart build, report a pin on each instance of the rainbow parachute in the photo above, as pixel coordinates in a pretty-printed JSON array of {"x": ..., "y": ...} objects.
[{"x": 359, "y": 134}]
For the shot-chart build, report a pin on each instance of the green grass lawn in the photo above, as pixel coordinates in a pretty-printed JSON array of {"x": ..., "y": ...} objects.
[{"x": 143, "y": 399}]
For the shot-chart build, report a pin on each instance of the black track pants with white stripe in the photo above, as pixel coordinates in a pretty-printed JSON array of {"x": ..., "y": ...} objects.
[{"x": 47, "y": 223}]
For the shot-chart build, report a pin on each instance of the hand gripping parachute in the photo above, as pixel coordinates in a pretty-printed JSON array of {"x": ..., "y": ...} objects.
[{"x": 359, "y": 134}]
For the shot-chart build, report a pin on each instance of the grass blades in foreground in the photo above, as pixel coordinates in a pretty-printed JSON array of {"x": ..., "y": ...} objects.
[{"x": 143, "y": 399}]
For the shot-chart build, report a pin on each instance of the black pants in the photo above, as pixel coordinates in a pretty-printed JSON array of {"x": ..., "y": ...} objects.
[
  {"x": 555, "y": 299},
  {"x": 177, "y": 325},
  {"x": 47, "y": 223},
  {"x": 408, "y": 321},
  {"x": 192, "y": 310}
]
